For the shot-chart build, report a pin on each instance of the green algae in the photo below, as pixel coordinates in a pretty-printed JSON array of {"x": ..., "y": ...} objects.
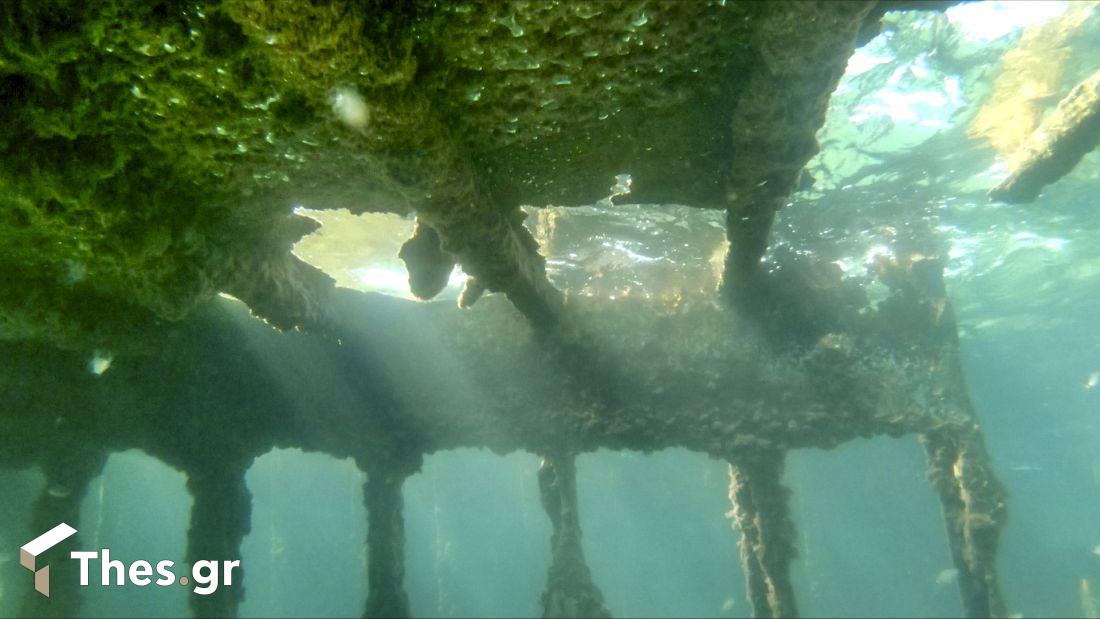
[{"x": 152, "y": 149}]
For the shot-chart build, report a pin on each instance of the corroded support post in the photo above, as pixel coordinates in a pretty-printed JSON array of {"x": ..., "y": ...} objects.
[
  {"x": 782, "y": 91},
  {"x": 974, "y": 511},
  {"x": 68, "y": 472},
  {"x": 386, "y": 538},
  {"x": 570, "y": 591},
  {"x": 221, "y": 516},
  {"x": 761, "y": 513}
]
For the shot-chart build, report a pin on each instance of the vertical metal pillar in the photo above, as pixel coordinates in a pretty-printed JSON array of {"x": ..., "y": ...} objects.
[
  {"x": 570, "y": 591},
  {"x": 974, "y": 512},
  {"x": 761, "y": 513},
  {"x": 221, "y": 516}
]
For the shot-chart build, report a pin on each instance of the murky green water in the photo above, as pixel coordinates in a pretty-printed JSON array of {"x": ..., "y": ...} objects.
[{"x": 896, "y": 160}]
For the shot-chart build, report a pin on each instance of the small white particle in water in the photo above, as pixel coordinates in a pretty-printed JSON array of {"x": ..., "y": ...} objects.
[
  {"x": 1092, "y": 381},
  {"x": 350, "y": 108},
  {"x": 947, "y": 577},
  {"x": 99, "y": 363},
  {"x": 59, "y": 492},
  {"x": 74, "y": 272},
  {"x": 1096, "y": 550}
]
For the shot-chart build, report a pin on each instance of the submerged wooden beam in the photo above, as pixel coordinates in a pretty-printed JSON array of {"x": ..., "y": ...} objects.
[
  {"x": 762, "y": 514},
  {"x": 1070, "y": 132}
]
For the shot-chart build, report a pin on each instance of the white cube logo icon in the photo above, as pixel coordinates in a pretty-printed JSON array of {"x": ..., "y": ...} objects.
[{"x": 28, "y": 554}]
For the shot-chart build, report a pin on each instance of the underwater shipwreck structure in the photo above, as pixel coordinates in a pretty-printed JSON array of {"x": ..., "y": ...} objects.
[{"x": 152, "y": 155}]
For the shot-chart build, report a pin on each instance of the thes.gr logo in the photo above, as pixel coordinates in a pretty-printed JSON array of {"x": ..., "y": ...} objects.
[
  {"x": 205, "y": 577},
  {"x": 29, "y": 552}
]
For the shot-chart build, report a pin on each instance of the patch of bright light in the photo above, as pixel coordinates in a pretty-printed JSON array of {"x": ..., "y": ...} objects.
[
  {"x": 630, "y": 254},
  {"x": 962, "y": 252},
  {"x": 998, "y": 171},
  {"x": 849, "y": 267},
  {"x": 987, "y": 21},
  {"x": 875, "y": 252},
  {"x": 953, "y": 91},
  {"x": 620, "y": 188},
  {"x": 909, "y": 98},
  {"x": 934, "y": 123},
  {"x": 100, "y": 362},
  {"x": 395, "y": 281},
  {"x": 863, "y": 61},
  {"x": 388, "y": 280},
  {"x": 1032, "y": 240},
  {"x": 457, "y": 278}
]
